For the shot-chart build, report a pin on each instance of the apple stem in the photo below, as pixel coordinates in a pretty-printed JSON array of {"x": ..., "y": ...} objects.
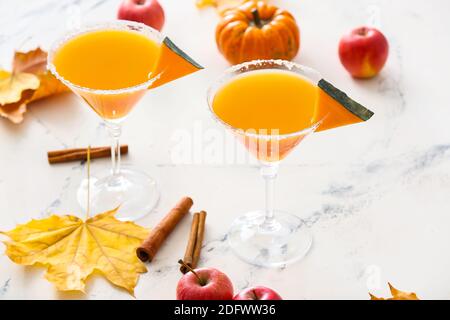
[
  {"x": 362, "y": 31},
  {"x": 191, "y": 270},
  {"x": 257, "y": 18}
]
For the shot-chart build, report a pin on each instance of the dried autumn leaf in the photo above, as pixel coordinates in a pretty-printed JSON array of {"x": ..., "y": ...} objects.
[
  {"x": 220, "y": 5},
  {"x": 396, "y": 295},
  {"x": 15, "y": 91},
  {"x": 205, "y": 3},
  {"x": 72, "y": 249},
  {"x": 28, "y": 65},
  {"x": 35, "y": 62}
]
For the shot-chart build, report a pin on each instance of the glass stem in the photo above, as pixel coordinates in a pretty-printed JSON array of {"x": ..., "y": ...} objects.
[
  {"x": 115, "y": 130},
  {"x": 269, "y": 172}
]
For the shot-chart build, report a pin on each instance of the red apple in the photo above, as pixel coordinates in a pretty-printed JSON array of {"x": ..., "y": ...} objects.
[
  {"x": 149, "y": 12},
  {"x": 257, "y": 293},
  {"x": 363, "y": 52},
  {"x": 204, "y": 284}
]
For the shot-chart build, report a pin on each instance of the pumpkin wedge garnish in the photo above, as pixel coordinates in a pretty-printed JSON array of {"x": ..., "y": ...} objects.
[
  {"x": 336, "y": 109},
  {"x": 172, "y": 64}
]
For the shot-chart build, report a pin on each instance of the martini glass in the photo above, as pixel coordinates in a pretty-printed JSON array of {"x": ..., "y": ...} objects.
[
  {"x": 267, "y": 237},
  {"x": 130, "y": 189}
]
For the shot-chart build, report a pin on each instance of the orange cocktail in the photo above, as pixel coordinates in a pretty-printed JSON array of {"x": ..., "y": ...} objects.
[
  {"x": 108, "y": 60},
  {"x": 271, "y": 104},
  {"x": 110, "y": 66}
]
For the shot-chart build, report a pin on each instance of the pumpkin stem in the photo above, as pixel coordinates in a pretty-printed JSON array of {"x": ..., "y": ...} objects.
[{"x": 257, "y": 18}]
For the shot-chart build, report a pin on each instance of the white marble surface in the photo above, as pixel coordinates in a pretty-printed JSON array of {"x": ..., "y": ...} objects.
[{"x": 377, "y": 195}]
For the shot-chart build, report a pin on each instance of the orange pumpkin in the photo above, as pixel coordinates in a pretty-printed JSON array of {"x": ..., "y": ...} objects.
[{"x": 256, "y": 30}]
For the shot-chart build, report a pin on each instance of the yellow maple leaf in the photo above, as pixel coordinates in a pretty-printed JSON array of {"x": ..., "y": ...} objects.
[
  {"x": 396, "y": 295},
  {"x": 29, "y": 81},
  {"x": 72, "y": 249}
]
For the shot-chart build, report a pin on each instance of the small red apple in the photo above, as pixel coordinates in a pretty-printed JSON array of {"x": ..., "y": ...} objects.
[
  {"x": 363, "y": 52},
  {"x": 257, "y": 293},
  {"x": 149, "y": 12},
  {"x": 204, "y": 284}
]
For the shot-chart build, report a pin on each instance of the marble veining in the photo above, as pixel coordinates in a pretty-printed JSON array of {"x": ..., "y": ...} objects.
[{"x": 4, "y": 288}]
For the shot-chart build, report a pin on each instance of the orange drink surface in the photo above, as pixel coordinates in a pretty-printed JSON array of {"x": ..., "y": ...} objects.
[
  {"x": 268, "y": 102},
  {"x": 108, "y": 60}
]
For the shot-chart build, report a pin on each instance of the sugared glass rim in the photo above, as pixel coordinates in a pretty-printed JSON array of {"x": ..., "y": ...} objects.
[
  {"x": 287, "y": 66},
  {"x": 112, "y": 25}
]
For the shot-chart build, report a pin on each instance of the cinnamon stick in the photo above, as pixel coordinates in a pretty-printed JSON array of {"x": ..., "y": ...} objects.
[
  {"x": 188, "y": 255},
  {"x": 199, "y": 242},
  {"x": 151, "y": 245},
  {"x": 194, "y": 246},
  {"x": 78, "y": 154}
]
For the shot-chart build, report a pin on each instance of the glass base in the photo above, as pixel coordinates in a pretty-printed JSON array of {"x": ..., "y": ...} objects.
[
  {"x": 284, "y": 240},
  {"x": 134, "y": 191}
]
